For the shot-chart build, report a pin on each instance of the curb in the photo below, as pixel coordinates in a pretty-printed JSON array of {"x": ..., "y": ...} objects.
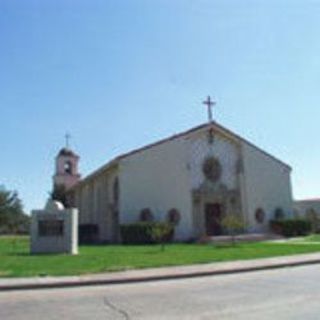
[{"x": 182, "y": 275}]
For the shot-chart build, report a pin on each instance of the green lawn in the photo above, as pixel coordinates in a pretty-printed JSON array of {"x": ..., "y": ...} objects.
[
  {"x": 15, "y": 260},
  {"x": 312, "y": 238}
]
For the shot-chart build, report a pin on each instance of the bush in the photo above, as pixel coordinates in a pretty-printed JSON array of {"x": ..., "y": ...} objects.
[
  {"x": 291, "y": 227},
  {"x": 314, "y": 219},
  {"x": 144, "y": 232},
  {"x": 88, "y": 233},
  {"x": 233, "y": 224}
]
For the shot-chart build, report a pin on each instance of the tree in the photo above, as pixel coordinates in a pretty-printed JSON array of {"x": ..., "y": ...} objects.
[
  {"x": 234, "y": 224},
  {"x": 59, "y": 194},
  {"x": 12, "y": 218},
  {"x": 160, "y": 233}
]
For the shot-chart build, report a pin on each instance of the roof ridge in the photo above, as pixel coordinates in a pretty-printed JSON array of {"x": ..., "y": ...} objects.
[{"x": 176, "y": 136}]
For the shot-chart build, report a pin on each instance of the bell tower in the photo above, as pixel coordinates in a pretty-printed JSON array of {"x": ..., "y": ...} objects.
[{"x": 66, "y": 172}]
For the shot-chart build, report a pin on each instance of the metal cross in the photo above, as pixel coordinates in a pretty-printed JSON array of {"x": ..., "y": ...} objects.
[
  {"x": 68, "y": 137},
  {"x": 209, "y": 103}
]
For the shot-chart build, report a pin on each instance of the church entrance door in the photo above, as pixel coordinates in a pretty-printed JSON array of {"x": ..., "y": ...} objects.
[{"x": 213, "y": 217}]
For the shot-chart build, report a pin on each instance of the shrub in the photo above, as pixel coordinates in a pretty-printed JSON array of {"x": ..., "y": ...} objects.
[
  {"x": 88, "y": 233},
  {"x": 314, "y": 219},
  {"x": 291, "y": 227},
  {"x": 146, "y": 232},
  {"x": 160, "y": 233},
  {"x": 59, "y": 193},
  {"x": 233, "y": 224}
]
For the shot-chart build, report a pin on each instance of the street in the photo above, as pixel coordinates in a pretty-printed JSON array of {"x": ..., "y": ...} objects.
[{"x": 291, "y": 293}]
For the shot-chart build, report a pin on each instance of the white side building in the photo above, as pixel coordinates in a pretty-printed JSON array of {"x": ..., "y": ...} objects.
[{"x": 303, "y": 208}]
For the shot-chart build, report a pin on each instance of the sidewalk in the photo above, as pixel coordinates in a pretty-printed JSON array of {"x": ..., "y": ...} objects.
[{"x": 165, "y": 273}]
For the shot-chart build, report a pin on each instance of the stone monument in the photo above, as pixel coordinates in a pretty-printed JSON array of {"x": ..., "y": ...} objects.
[{"x": 54, "y": 229}]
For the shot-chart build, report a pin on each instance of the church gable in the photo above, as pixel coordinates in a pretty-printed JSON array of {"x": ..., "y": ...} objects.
[
  {"x": 216, "y": 179},
  {"x": 224, "y": 151},
  {"x": 194, "y": 133}
]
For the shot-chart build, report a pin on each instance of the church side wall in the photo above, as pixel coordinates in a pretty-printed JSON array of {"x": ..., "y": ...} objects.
[
  {"x": 267, "y": 186},
  {"x": 157, "y": 178},
  {"x": 94, "y": 199}
]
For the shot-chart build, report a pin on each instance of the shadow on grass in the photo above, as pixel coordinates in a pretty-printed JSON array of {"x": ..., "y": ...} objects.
[
  {"x": 227, "y": 246},
  {"x": 155, "y": 251},
  {"x": 16, "y": 254},
  {"x": 28, "y": 254}
]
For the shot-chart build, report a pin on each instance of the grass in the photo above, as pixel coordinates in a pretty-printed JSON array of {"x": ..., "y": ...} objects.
[
  {"x": 15, "y": 260},
  {"x": 312, "y": 238}
]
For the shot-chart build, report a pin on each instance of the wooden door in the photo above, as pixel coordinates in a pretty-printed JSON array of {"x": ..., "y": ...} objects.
[{"x": 213, "y": 219}]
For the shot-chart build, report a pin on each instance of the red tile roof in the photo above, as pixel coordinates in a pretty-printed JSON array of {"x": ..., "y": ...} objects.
[{"x": 308, "y": 200}]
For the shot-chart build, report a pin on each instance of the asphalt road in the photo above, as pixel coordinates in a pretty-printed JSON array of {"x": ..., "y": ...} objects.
[{"x": 292, "y": 293}]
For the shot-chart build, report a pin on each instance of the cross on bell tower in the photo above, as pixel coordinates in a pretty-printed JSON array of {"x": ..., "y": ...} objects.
[
  {"x": 209, "y": 103},
  {"x": 68, "y": 138}
]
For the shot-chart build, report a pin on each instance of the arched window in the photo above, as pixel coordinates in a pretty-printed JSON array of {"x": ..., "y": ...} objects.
[
  {"x": 174, "y": 216},
  {"x": 260, "y": 215},
  {"x": 116, "y": 191},
  {"x": 146, "y": 215},
  {"x": 68, "y": 167},
  {"x": 279, "y": 214}
]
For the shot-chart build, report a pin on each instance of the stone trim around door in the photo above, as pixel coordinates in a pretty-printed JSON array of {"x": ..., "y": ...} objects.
[{"x": 210, "y": 199}]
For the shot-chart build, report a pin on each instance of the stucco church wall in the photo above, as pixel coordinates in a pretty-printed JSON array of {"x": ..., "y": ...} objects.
[
  {"x": 223, "y": 149},
  {"x": 94, "y": 199},
  {"x": 267, "y": 186},
  {"x": 157, "y": 178},
  {"x": 100, "y": 200},
  {"x": 85, "y": 215}
]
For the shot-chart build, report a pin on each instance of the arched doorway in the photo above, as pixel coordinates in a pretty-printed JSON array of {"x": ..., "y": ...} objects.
[{"x": 213, "y": 216}]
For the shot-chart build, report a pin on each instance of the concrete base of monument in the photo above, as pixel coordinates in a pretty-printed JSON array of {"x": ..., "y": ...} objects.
[
  {"x": 54, "y": 229},
  {"x": 250, "y": 237}
]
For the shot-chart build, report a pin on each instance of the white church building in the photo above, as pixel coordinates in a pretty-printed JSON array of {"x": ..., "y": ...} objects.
[{"x": 194, "y": 179}]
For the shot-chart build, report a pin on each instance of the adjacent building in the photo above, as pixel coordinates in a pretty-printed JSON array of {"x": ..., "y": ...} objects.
[{"x": 307, "y": 207}]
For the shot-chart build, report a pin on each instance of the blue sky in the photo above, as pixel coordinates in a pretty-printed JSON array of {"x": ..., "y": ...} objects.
[{"x": 121, "y": 74}]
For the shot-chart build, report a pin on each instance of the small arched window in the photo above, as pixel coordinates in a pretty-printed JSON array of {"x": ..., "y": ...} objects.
[
  {"x": 146, "y": 215},
  {"x": 279, "y": 214},
  {"x": 260, "y": 215},
  {"x": 174, "y": 216},
  {"x": 68, "y": 167}
]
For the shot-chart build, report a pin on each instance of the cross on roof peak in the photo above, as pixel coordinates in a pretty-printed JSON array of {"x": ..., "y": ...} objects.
[{"x": 209, "y": 103}]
